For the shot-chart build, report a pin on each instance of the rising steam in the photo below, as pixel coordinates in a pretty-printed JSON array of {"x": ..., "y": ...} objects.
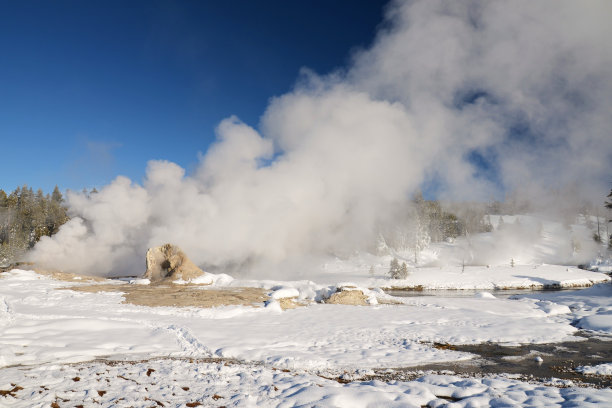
[{"x": 473, "y": 97}]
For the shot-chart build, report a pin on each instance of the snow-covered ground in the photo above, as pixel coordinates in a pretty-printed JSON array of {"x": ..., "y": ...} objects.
[
  {"x": 181, "y": 383},
  {"x": 591, "y": 308},
  {"x": 41, "y": 324},
  {"x": 600, "y": 369},
  {"x": 45, "y": 331},
  {"x": 458, "y": 277}
]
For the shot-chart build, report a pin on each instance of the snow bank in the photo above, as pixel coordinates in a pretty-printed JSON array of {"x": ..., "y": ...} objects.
[
  {"x": 285, "y": 292},
  {"x": 553, "y": 308},
  {"x": 601, "y": 322},
  {"x": 600, "y": 369},
  {"x": 591, "y": 308}
]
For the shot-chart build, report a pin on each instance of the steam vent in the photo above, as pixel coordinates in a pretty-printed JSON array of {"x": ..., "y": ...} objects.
[{"x": 168, "y": 263}]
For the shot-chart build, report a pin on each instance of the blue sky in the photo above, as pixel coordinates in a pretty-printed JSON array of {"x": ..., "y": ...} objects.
[{"x": 91, "y": 90}]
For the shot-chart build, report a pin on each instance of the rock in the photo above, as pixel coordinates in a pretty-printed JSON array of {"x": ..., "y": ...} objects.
[
  {"x": 288, "y": 303},
  {"x": 169, "y": 263},
  {"x": 348, "y": 296},
  {"x": 287, "y": 297}
]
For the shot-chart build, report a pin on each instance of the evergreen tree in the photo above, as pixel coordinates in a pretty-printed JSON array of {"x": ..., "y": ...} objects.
[
  {"x": 56, "y": 215},
  {"x": 3, "y": 198},
  {"x": 25, "y": 217},
  {"x": 56, "y": 196},
  {"x": 39, "y": 217}
]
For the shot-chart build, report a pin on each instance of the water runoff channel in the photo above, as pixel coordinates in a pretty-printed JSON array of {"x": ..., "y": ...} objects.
[{"x": 557, "y": 360}]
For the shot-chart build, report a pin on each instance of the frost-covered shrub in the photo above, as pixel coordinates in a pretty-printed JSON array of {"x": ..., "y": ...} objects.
[{"x": 396, "y": 271}]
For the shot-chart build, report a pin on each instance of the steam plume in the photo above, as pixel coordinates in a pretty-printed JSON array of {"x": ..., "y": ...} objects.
[{"x": 475, "y": 96}]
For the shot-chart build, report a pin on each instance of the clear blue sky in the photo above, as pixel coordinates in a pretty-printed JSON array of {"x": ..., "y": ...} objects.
[{"x": 93, "y": 89}]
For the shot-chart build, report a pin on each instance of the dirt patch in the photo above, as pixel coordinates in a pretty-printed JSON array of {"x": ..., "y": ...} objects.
[
  {"x": 54, "y": 274},
  {"x": 180, "y": 295},
  {"x": 68, "y": 277},
  {"x": 12, "y": 392},
  {"x": 289, "y": 303},
  {"x": 444, "y": 346}
]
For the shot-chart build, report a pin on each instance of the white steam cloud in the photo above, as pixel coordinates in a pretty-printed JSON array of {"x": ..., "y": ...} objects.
[{"x": 473, "y": 96}]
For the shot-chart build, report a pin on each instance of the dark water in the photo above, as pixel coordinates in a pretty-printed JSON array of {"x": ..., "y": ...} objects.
[
  {"x": 461, "y": 293},
  {"x": 559, "y": 361}
]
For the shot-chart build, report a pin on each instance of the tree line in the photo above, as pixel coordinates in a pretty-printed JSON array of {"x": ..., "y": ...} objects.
[
  {"x": 421, "y": 222},
  {"x": 25, "y": 217}
]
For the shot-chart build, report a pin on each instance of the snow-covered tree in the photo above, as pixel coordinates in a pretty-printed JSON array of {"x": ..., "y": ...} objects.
[
  {"x": 500, "y": 223},
  {"x": 394, "y": 269},
  {"x": 404, "y": 271}
]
